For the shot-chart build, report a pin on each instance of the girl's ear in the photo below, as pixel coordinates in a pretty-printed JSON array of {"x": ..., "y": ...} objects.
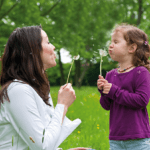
[{"x": 132, "y": 48}]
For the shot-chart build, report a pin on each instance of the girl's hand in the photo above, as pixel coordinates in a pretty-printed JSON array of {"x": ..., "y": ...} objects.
[
  {"x": 106, "y": 88},
  {"x": 100, "y": 82}
]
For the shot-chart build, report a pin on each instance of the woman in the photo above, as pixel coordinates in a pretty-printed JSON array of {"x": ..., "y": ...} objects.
[{"x": 28, "y": 119}]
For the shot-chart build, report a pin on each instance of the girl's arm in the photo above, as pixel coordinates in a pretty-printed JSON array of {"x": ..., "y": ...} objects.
[
  {"x": 136, "y": 100},
  {"x": 105, "y": 101}
]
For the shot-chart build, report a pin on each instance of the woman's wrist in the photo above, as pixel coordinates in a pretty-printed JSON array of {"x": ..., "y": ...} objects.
[{"x": 65, "y": 111}]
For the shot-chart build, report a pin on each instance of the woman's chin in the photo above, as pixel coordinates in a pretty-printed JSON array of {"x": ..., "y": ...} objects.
[
  {"x": 55, "y": 64},
  {"x": 52, "y": 65}
]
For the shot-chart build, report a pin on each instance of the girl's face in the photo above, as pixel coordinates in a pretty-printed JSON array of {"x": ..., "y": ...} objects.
[
  {"x": 118, "y": 49},
  {"x": 48, "y": 55}
]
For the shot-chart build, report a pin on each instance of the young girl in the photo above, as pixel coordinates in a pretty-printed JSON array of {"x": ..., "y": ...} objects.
[{"x": 126, "y": 90}]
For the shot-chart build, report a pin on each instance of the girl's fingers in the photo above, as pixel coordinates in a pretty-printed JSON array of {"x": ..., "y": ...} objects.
[
  {"x": 106, "y": 87},
  {"x": 103, "y": 80},
  {"x": 105, "y": 91},
  {"x": 100, "y": 85},
  {"x": 100, "y": 77}
]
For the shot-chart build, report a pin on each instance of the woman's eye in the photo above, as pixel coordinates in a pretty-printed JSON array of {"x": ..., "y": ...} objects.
[
  {"x": 115, "y": 42},
  {"x": 48, "y": 42}
]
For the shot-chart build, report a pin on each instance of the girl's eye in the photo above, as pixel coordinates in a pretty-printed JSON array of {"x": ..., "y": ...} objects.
[
  {"x": 115, "y": 42},
  {"x": 48, "y": 42}
]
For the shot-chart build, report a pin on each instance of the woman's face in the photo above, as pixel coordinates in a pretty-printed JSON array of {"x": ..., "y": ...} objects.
[{"x": 48, "y": 55}]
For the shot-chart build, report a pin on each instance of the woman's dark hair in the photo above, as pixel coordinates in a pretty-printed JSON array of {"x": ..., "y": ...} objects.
[
  {"x": 22, "y": 60},
  {"x": 132, "y": 35}
]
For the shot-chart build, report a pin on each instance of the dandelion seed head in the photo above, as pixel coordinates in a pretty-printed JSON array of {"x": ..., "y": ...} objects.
[
  {"x": 76, "y": 57},
  {"x": 102, "y": 52}
]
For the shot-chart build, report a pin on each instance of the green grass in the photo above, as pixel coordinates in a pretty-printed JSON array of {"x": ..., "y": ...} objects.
[{"x": 94, "y": 129}]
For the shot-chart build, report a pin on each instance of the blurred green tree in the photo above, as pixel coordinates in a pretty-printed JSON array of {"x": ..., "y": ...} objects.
[{"x": 81, "y": 27}]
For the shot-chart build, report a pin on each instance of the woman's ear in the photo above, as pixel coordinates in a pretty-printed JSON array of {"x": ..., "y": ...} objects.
[{"x": 132, "y": 48}]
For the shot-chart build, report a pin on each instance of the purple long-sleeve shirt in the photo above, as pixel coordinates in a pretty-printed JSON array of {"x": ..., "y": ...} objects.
[{"x": 127, "y": 101}]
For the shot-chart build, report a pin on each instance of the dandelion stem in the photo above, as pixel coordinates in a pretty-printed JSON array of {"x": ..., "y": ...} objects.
[
  {"x": 70, "y": 70},
  {"x": 101, "y": 65}
]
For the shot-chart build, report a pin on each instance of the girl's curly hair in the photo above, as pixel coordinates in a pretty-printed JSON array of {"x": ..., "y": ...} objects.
[{"x": 132, "y": 35}]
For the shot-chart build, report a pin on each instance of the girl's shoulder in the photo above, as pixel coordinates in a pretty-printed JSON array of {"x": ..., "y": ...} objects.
[
  {"x": 136, "y": 71},
  {"x": 140, "y": 71},
  {"x": 112, "y": 71},
  {"x": 141, "y": 68}
]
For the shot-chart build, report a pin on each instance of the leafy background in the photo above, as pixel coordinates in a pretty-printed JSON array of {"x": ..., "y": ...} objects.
[{"x": 80, "y": 27}]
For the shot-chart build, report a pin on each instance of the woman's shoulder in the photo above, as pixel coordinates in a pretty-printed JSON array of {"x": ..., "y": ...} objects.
[{"x": 18, "y": 85}]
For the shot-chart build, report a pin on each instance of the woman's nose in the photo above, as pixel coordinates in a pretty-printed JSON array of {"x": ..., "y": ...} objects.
[{"x": 53, "y": 47}]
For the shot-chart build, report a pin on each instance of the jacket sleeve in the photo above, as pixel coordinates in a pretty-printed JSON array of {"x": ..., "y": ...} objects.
[
  {"x": 104, "y": 100},
  {"x": 25, "y": 118},
  {"x": 136, "y": 100}
]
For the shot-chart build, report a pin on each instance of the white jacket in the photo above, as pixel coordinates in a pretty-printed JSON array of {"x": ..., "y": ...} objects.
[{"x": 26, "y": 116}]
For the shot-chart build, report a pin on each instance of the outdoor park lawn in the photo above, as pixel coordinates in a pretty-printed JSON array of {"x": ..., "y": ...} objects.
[{"x": 94, "y": 130}]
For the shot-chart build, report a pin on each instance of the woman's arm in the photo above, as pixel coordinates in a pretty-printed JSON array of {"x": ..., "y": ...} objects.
[
  {"x": 24, "y": 116},
  {"x": 66, "y": 96}
]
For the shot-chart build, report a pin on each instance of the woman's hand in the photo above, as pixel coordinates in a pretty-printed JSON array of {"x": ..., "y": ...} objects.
[{"x": 66, "y": 95}]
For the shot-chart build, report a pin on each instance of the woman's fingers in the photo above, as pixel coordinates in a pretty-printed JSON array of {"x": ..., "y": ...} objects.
[
  {"x": 62, "y": 87},
  {"x": 68, "y": 85},
  {"x": 66, "y": 95}
]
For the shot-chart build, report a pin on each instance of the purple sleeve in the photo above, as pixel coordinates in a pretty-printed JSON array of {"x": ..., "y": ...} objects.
[
  {"x": 136, "y": 100},
  {"x": 105, "y": 101}
]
